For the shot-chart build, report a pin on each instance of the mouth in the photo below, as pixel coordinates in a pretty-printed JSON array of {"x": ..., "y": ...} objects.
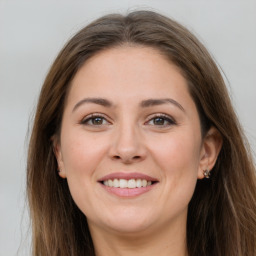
[
  {"x": 127, "y": 184},
  {"x": 131, "y": 183}
]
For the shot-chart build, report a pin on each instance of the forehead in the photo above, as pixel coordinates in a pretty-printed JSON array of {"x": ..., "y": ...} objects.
[{"x": 133, "y": 70}]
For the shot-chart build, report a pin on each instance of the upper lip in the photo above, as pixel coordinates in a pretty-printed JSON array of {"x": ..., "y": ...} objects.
[{"x": 127, "y": 176}]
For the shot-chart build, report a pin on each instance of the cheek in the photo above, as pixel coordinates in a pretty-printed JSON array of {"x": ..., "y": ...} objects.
[
  {"x": 81, "y": 157},
  {"x": 178, "y": 157},
  {"x": 181, "y": 170},
  {"x": 81, "y": 154},
  {"x": 178, "y": 153}
]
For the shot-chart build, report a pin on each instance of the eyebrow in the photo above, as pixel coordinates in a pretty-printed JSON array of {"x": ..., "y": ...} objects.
[
  {"x": 156, "y": 102},
  {"x": 145, "y": 103},
  {"x": 98, "y": 101}
]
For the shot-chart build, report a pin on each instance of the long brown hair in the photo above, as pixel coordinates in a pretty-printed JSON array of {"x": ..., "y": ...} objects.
[{"x": 222, "y": 213}]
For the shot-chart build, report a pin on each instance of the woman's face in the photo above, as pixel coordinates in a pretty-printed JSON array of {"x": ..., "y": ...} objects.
[{"x": 130, "y": 144}]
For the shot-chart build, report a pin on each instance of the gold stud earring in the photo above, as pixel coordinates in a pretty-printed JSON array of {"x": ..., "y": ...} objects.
[{"x": 207, "y": 174}]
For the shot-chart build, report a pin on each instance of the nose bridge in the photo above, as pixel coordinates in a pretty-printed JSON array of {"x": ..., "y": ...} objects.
[{"x": 128, "y": 145}]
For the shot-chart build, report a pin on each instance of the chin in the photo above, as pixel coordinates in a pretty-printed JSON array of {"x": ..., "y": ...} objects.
[
  {"x": 128, "y": 227},
  {"x": 125, "y": 221}
]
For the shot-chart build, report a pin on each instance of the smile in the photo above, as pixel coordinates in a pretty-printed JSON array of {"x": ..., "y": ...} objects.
[{"x": 123, "y": 183}]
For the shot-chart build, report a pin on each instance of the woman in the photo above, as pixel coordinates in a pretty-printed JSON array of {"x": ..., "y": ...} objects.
[{"x": 136, "y": 149}]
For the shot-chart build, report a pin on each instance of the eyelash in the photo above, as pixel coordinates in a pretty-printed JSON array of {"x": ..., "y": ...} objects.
[
  {"x": 165, "y": 118},
  {"x": 92, "y": 117}
]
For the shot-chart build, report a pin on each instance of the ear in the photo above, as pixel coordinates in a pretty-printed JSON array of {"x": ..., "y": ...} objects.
[
  {"x": 58, "y": 154},
  {"x": 211, "y": 147}
]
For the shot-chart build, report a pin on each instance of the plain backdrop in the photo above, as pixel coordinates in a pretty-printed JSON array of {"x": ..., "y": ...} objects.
[{"x": 33, "y": 32}]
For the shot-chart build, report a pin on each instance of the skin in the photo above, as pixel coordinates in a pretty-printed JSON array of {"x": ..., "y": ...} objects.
[{"x": 127, "y": 137}]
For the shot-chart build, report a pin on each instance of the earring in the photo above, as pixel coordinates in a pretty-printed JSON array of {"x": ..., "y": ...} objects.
[{"x": 207, "y": 174}]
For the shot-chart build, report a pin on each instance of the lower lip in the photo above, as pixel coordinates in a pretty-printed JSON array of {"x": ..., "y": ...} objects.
[{"x": 127, "y": 192}]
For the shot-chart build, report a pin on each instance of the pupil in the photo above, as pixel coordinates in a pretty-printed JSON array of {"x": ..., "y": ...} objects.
[
  {"x": 97, "y": 120},
  {"x": 159, "y": 121}
]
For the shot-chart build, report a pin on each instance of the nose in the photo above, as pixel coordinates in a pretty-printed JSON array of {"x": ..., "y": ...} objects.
[{"x": 128, "y": 146}]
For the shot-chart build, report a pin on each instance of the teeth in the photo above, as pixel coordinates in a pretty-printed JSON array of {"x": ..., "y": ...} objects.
[
  {"x": 122, "y": 183},
  {"x": 115, "y": 183},
  {"x": 138, "y": 183},
  {"x": 110, "y": 183},
  {"x": 132, "y": 183}
]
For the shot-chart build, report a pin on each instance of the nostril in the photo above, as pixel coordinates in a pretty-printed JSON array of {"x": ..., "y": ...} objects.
[{"x": 126, "y": 159}]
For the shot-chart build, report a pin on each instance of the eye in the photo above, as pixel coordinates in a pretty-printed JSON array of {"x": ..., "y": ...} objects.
[
  {"x": 95, "y": 120},
  {"x": 161, "y": 120}
]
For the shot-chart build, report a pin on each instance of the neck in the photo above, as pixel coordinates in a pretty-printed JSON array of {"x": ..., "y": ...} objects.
[{"x": 162, "y": 242}]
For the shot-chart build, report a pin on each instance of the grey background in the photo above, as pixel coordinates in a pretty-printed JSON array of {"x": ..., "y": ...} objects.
[{"x": 32, "y": 33}]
